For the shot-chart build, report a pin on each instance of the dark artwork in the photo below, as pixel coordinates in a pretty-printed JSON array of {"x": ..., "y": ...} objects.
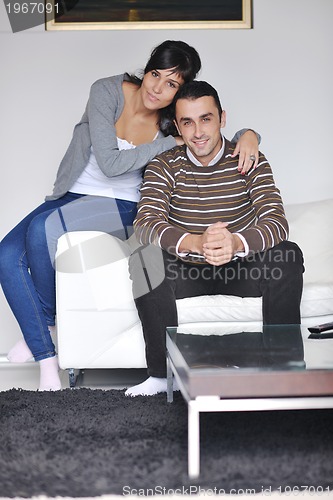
[{"x": 104, "y": 11}]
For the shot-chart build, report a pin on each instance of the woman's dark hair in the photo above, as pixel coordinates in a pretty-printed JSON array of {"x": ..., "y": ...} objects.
[
  {"x": 178, "y": 55},
  {"x": 185, "y": 62}
]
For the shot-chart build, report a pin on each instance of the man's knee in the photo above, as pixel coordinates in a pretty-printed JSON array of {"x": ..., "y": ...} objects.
[{"x": 288, "y": 257}]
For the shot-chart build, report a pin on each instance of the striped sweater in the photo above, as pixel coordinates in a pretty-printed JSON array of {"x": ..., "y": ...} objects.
[{"x": 178, "y": 197}]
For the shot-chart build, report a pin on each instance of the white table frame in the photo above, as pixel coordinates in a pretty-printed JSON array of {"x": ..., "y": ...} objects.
[{"x": 215, "y": 404}]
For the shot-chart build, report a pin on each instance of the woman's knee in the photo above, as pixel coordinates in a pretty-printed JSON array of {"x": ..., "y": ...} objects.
[
  {"x": 36, "y": 231},
  {"x": 43, "y": 231},
  {"x": 43, "y": 234}
]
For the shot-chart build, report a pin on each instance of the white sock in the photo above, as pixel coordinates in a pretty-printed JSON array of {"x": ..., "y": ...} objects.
[
  {"x": 49, "y": 374},
  {"x": 149, "y": 387},
  {"x": 52, "y": 329},
  {"x": 20, "y": 353}
]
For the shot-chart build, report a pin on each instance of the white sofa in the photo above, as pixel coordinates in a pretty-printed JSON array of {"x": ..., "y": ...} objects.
[{"x": 97, "y": 322}]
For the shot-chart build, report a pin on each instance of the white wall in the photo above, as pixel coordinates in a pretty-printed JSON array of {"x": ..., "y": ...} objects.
[{"x": 276, "y": 78}]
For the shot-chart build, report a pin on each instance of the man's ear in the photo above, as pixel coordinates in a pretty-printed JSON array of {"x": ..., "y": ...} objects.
[
  {"x": 223, "y": 119},
  {"x": 176, "y": 125}
]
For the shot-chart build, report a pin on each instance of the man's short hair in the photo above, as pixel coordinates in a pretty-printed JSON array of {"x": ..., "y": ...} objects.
[{"x": 196, "y": 89}]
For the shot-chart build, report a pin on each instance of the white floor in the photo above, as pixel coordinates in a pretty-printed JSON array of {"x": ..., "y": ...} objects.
[{"x": 26, "y": 376}]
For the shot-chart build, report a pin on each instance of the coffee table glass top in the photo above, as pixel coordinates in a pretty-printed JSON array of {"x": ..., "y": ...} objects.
[{"x": 270, "y": 361}]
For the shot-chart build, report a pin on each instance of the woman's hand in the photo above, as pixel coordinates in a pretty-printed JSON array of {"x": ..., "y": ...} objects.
[{"x": 247, "y": 147}]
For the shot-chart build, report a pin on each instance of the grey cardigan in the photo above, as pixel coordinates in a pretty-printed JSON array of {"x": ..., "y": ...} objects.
[{"x": 97, "y": 128}]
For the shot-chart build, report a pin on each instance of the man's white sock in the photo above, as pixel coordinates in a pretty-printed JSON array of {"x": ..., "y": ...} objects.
[{"x": 150, "y": 387}]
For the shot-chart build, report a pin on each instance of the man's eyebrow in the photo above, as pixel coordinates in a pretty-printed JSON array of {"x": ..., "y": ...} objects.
[
  {"x": 185, "y": 119},
  {"x": 205, "y": 115}
]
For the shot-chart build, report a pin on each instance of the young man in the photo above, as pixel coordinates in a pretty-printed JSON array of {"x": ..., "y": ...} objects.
[{"x": 220, "y": 232}]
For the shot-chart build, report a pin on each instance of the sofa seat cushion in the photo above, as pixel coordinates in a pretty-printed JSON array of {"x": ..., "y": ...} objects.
[
  {"x": 219, "y": 308},
  {"x": 317, "y": 300}
]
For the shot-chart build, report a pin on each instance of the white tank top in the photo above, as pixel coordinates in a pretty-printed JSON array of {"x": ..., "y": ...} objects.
[{"x": 92, "y": 181}]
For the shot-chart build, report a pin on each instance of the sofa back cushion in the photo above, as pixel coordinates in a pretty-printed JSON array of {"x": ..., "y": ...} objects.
[{"x": 312, "y": 229}]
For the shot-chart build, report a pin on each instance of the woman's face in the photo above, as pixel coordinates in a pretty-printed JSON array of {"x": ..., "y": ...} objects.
[{"x": 159, "y": 88}]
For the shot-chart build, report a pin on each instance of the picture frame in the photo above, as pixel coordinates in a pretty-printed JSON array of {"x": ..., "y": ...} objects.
[{"x": 147, "y": 14}]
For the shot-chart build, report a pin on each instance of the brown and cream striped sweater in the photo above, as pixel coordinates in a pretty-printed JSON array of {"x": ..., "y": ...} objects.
[{"x": 178, "y": 197}]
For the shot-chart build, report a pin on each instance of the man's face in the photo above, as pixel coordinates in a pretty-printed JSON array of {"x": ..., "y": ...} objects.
[{"x": 198, "y": 123}]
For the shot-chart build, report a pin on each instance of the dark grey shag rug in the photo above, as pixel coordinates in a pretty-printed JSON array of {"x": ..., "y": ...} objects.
[{"x": 91, "y": 442}]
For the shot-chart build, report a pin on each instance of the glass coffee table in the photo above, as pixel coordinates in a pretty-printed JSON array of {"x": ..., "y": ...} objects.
[{"x": 269, "y": 368}]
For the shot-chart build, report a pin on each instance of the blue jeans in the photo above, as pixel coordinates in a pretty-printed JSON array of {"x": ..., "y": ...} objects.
[{"x": 27, "y": 254}]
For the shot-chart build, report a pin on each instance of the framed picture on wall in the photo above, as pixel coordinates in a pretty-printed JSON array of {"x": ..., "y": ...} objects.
[{"x": 148, "y": 14}]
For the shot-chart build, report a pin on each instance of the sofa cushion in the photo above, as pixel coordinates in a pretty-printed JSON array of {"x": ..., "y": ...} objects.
[
  {"x": 317, "y": 300},
  {"x": 219, "y": 308}
]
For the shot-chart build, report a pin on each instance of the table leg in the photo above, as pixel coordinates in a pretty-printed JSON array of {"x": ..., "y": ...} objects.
[
  {"x": 169, "y": 381},
  {"x": 193, "y": 440}
]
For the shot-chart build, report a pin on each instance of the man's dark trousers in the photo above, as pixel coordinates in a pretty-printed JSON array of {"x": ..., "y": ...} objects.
[{"x": 276, "y": 275}]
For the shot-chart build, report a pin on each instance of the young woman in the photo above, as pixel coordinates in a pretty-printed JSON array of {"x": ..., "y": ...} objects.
[{"x": 124, "y": 126}]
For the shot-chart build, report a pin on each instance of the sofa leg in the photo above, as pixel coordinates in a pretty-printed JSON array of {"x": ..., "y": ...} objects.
[{"x": 73, "y": 376}]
